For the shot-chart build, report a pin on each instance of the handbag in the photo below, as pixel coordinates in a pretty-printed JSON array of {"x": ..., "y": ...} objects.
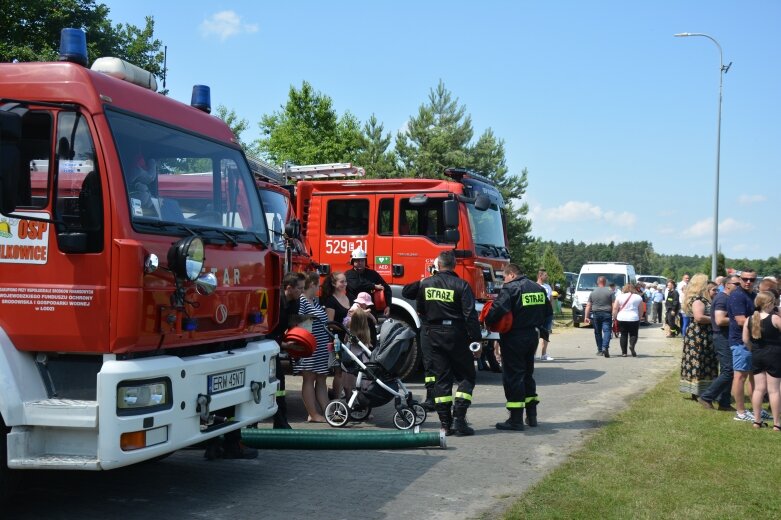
[{"x": 615, "y": 321}]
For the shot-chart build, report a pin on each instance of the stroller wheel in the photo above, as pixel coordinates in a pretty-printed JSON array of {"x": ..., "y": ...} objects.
[
  {"x": 420, "y": 414},
  {"x": 361, "y": 414},
  {"x": 404, "y": 419},
  {"x": 336, "y": 413}
]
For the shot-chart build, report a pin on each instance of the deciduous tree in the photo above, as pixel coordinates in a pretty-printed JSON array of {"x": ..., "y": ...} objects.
[{"x": 307, "y": 130}]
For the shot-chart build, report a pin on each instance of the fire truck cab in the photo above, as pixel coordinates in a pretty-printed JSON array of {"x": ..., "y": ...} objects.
[{"x": 135, "y": 271}]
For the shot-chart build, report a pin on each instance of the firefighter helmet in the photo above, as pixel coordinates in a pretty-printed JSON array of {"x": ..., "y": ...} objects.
[
  {"x": 358, "y": 254},
  {"x": 502, "y": 326}
]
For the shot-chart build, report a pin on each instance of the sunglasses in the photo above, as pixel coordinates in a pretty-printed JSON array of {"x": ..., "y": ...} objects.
[{"x": 748, "y": 280}]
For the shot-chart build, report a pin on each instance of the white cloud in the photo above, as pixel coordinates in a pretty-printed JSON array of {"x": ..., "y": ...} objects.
[
  {"x": 225, "y": 24},
  {"x": 578, "y": 211},
  {"x": 705, "y": 227},
  {"x": 730, "y": 225},
  {"x": 746, "y": 200}
]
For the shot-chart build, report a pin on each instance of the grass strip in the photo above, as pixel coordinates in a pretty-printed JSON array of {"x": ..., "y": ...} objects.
[{"x": 664, "y": 457}]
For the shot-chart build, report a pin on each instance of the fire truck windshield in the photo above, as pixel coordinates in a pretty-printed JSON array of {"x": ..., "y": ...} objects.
[
  {"x": 487, "y": 231},
  {"x": 177, "y": 178}
]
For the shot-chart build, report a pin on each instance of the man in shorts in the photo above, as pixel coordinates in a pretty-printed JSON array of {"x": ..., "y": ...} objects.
[
  {"x": 740, "y": 305},
  {"x": 542, "y": 281}
]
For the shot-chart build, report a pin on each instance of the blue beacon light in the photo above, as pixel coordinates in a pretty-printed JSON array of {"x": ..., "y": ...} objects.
[
  {"x": 73, "y": 46},
  {"x": 201, "y": 98}
]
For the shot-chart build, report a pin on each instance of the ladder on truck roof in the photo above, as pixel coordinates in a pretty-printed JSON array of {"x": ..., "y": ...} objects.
[
  {"x": 274, "y": 175},
  {"x": 322, "y": 171},
  {"x": 265, "y": 171}
]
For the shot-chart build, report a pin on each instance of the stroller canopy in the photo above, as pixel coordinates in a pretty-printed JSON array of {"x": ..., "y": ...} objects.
[{"x": 395, "y": 341}]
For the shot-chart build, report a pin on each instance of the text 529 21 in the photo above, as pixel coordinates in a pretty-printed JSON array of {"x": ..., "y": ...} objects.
[{"x": 336, "y": 246}]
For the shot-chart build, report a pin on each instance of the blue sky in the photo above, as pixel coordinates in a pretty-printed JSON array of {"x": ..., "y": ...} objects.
[{"x": 614, "y": 118}]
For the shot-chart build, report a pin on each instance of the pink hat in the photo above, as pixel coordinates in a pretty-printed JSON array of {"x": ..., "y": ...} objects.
[{"x": 364, "y": 298}]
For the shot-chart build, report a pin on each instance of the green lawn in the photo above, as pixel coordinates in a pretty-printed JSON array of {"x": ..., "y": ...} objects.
[{"x": 665, "y": 457}]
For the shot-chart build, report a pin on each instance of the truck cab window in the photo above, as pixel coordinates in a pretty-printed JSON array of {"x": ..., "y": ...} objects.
[
  {"x": 422, "y": 219},
  {"x": 79, "y": 193},
  {"x": 347, "y": 217},
  {"x": 385, "y": 217},
  {"x": 36, "y": 145}
]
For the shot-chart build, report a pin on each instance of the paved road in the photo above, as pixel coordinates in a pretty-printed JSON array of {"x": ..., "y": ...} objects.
[{"x": 474, "y": 477}]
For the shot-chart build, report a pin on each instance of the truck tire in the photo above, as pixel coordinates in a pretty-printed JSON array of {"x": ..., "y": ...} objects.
[{"x": 411, "y": 364}]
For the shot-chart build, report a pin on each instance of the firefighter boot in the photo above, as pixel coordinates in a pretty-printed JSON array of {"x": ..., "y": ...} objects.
[
  {"x": 280, "y": 418},
  {"x": 460, "y": 425},
  {"x": 515, "y": 422},
  {"x": 446, "y": 421},
  {"x": 531, "y": 414},
  {"x": 428, "y": 404}
]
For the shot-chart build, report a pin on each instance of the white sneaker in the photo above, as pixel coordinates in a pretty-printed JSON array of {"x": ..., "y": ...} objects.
[{"x": 546, "y": 357}]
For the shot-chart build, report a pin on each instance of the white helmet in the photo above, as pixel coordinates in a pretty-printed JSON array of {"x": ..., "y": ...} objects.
[{"x": 358, "y": 254}]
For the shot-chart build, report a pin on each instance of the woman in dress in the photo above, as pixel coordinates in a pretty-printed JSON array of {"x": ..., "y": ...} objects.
[
  {"x": 762, "y": 332},
  {"x": 627, "y": 309},
  {"x": 699, "y": 364},
  {"x": 314, "y": 369},
  {"x": 333, "y": 294}
]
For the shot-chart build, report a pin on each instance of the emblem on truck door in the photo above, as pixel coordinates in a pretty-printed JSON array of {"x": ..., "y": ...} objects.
[{"x": 221, "y": 314}]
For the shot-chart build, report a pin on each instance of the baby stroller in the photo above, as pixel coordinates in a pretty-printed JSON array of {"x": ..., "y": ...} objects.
[{"x": 380, "y": 371}]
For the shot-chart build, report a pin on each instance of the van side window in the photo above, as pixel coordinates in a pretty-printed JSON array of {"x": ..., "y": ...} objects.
[
  {"x": 385, "y": 217},
  {"x": 36, "y": 145},
  {"x": 79, "y": 193},
  {"x": 347, "y": 217}
]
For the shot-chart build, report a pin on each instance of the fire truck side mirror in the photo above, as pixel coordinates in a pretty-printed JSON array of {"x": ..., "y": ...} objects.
[
  {"x": 10, "y": 135},
  {"x": 293, "y": 229},
  {"x": 452, "y": 236},
  {"x": 450, "y": 214},
  {"x": 482, "y": 202}
]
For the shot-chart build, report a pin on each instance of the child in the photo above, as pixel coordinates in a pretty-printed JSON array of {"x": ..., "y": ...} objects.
[
  {"x": 363, "y": 301},
  {"x": 359, "y": 327}
]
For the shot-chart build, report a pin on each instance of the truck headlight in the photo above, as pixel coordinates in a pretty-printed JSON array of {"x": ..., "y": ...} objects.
[
  {"x": 135, "y": 397},
  {"x": 575, "y": 303}
]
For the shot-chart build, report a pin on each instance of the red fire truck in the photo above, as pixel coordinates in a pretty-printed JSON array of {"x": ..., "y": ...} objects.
[
  {"x": 403, "y": 224},
  {"x": 136, "y": 277}
]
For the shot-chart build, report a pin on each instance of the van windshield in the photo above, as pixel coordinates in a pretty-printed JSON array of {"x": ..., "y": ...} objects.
[{"x": 588, "y": 281}]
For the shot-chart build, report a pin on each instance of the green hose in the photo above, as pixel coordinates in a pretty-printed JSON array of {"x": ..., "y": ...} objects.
[{"x": 339, "y": 439}]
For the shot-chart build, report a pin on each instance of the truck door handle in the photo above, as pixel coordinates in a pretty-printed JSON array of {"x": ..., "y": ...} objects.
[{"x": 398, "y": 270}]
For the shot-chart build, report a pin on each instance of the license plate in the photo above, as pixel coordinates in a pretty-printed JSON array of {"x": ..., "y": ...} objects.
[{"x": 225, "y": 381}]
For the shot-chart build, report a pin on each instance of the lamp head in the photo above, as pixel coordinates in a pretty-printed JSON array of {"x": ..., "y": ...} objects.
[{"x": 682, "y": 35}]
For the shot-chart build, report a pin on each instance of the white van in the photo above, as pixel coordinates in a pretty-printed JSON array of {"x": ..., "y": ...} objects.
[{"x": 619, "y": 273}]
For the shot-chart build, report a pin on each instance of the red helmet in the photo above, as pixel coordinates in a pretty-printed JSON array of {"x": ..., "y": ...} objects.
[
  {"x": 304, "y": 342},
  {"x": 502, "y": 326}
]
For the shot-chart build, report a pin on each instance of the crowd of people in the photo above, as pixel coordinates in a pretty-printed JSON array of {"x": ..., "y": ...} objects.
[{"x": 731, "y": 338}]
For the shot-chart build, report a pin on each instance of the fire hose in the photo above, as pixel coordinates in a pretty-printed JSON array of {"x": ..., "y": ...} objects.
[{"x": 339, "y": 440}]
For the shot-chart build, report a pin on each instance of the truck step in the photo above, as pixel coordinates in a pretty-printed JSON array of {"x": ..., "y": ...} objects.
[
  {"x": 62, "y": 413},
  {"x": 53, "y": 461}
]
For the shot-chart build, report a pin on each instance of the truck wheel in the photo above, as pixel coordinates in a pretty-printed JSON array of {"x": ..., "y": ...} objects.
[{"x": 411, "y": 364}]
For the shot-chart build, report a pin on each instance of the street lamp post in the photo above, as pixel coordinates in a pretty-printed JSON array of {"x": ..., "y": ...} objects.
[{"x": 723, "y": 69}]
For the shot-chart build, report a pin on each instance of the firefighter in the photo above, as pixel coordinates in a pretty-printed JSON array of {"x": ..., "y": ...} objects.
[
  {"x": 410, "y": 292},
  {"x": 447, "y": 305},
  {"x": 362, "y": 279},
  {"x": 530, "y": 307}
]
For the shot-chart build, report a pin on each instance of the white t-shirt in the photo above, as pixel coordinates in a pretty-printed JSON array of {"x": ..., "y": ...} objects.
[{"x": 630, "y": 311}]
